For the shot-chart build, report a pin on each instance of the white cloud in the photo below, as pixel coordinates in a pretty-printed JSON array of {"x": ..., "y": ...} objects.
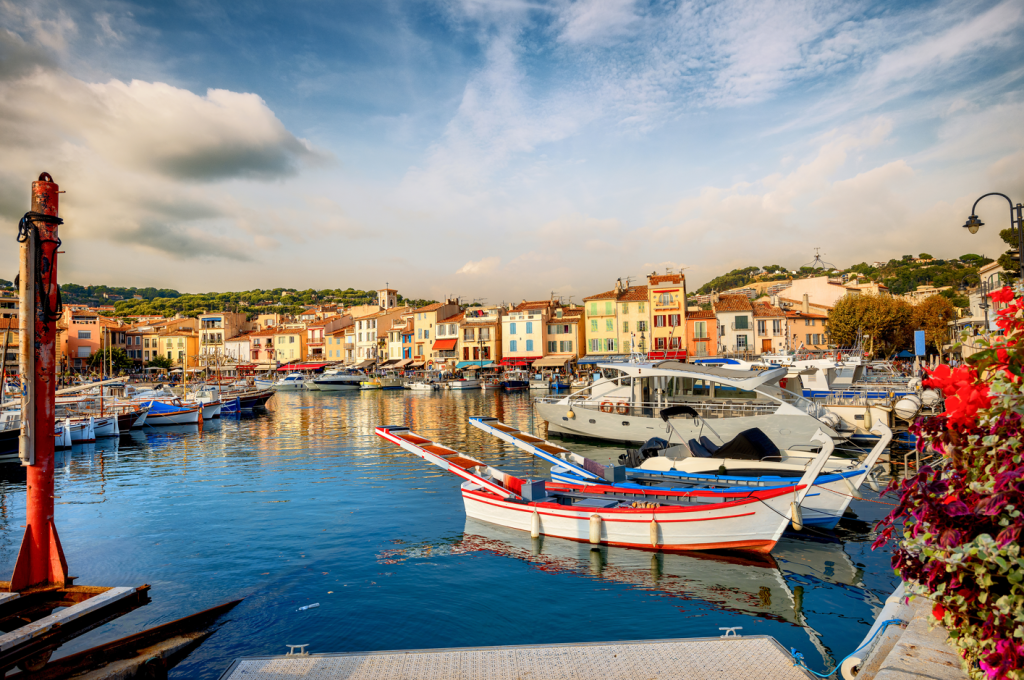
[
  {"x": 600, "y": 21},
  {"x": 484, "y": 266}
]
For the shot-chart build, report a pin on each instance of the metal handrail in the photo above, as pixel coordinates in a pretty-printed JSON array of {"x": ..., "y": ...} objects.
[{"x": 707, "y": 409}]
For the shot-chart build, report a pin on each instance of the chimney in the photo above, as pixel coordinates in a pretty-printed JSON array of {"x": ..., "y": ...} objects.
[
  {"x": 775, "y": 300},
  {"x": 807, "y": 305},
  {"x": 618, "y": 285}
]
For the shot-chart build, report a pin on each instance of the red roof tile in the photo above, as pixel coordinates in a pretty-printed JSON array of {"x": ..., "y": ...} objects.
[
  {"x": 733, "y": 303},
  {"x": 665, "y": 278},
  {"x": 453, "y": 319},
  {"x": 634, "y": 293},
  {"x": 700, "y": 314},
  {"x": 766, "y": 309}
]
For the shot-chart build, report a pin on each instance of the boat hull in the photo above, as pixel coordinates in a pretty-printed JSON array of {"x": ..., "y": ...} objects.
[
  {"x": 467, "y": 384},
  {"x": 752, "y": 525},
  {"x": 336, "y": 386},
  {"x": 184, "y": 417}
]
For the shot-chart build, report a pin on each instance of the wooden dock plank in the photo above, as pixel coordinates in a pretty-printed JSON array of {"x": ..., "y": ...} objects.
[{"x": 47, "y": 623}]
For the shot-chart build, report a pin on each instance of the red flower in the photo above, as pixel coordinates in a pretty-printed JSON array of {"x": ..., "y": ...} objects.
[
  {"x": 938, "y": 611},
  {"x": 1004, "y": 294}
]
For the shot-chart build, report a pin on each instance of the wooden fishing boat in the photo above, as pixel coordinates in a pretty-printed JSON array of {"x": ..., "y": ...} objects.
[
  {"x": 825, "y": 505},
  {"x": 749, "y": 519},
  {"x": 167, "y": 414}
]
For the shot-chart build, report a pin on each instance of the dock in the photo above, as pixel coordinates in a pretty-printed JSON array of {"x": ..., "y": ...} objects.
[{"x": 735, "y": 656}]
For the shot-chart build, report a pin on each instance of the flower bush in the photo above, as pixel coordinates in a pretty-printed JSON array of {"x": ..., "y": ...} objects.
[{"x": 961, "y": 517}]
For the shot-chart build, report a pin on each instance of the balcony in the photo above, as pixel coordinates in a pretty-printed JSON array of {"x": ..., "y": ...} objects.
[{"x": 744, "y": 327}]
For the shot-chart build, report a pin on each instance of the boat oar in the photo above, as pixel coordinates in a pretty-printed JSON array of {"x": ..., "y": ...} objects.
[
  {"x": 582, "y": 466},
  {"x": 451, "y": 460}
]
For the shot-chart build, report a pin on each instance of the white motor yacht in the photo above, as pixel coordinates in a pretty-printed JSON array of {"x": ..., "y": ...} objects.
[
  {"x": 292, "y": 381},
  {"x": 625, "y": 404},
  {"x": 339, "y": 379}
]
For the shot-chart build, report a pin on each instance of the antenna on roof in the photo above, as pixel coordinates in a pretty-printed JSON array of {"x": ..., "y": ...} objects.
[{"x": 817, "y": 262}]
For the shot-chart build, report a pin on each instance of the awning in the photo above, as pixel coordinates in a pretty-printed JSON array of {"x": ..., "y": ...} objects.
[
  {"x": 301, "y": 367},
  {"x": 365, "y": 363},
  {"x": 416, "y": 364},
  {"x": 518, "y": 361},
  {"x": 553, "y": 360},
  {"x": 481, "y": 363},
  {"x": 390, "y": 363},
  {"x": 445, "y": 344},
  {"x": 403, "y": 363},
  {"x": 659, "y": 354},
  {"x": 603, "y": 358}
]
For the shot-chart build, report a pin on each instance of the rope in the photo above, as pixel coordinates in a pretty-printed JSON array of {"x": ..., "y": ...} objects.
[
  {"x": 798, "y": 658},
  {"x": 26, "y": 230},
  {"x": 869, "y": 500},
  {"x": 806, "y": 528}
]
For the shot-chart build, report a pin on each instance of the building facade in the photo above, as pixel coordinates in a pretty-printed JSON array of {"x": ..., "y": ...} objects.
[
  {"x": 735, "y": 317},
  {"x": 667, "y": 294}
]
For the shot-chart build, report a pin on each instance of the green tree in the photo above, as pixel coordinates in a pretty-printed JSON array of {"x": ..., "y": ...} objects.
[
  {"x": 1010, "y": 266},
  {"x": 160, "y": 361},
  {"x": 925, "y": 256},
  {"x": 887, "y": 321},
  {"x": 120, "y": 358},
  {"x": 932, "y": 315}
]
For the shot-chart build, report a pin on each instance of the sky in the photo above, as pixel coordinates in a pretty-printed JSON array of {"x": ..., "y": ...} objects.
[{"x": 505, "y": 150}]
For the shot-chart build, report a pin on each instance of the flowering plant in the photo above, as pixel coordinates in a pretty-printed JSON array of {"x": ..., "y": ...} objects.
[{"x": 961, "y": 517}]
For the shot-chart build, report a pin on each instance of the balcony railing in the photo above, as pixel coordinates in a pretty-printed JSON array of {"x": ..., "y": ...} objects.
[{"x": 739, "y": 328}]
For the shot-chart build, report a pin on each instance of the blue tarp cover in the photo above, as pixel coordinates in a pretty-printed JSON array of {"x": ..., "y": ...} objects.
[
  {"x": 479, "y": 363},
  {"x": 160, "y": 407},
  {"x": 905, "y": 355}
]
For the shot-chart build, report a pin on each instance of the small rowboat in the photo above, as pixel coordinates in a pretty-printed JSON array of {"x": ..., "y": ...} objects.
[
  {"x": 825, "y": 505},
  {"x": 750, "y": 519}
]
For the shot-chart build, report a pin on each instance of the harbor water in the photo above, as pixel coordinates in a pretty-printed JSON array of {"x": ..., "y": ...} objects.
[{"x": 304, "y": 505}]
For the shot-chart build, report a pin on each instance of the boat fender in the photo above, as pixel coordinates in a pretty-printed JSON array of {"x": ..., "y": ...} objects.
[
  {"x": 570, "y": 415},
  {"x": 607, "y": 407},
  {"x": 854, "y": 491},
  {"x": 622, "y": 409},
  {"x": 595, "y": 528},
  {"x": 722, "y": 470},
  {"x": 535, "y": 525},
  {"x": 798, "y": 518},
  {"x": 654, "y": 533}
]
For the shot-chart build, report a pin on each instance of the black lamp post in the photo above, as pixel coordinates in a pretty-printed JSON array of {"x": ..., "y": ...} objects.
[{"x": 1016, "y": 222}]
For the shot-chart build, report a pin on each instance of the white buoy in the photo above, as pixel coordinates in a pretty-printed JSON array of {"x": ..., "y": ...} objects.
[
  {"x": 595, "y": 528},
  {"x": 535, "y": 525},
  {"x": 654, "y": 533},
  {"x": 798, "y": 519}
]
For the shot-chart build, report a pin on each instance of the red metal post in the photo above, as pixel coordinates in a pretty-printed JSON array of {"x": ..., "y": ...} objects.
[{"x": 41, "y": 559}]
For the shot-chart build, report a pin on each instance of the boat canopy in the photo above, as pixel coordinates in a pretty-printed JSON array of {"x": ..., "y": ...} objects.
[
  {"x": 744, "y": 380},
  {"x": 554, "y": 360},
  {"x": 479, "y": 363}
]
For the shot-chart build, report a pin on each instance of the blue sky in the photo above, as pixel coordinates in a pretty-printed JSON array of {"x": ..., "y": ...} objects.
[{"x": 505, "y": 150}]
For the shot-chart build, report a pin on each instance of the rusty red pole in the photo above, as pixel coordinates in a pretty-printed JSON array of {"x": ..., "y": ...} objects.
[{"x": 41, "y": 559}]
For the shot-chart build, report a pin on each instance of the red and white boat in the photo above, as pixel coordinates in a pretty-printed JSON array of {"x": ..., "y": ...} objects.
[{"x": 750, "y": 519}]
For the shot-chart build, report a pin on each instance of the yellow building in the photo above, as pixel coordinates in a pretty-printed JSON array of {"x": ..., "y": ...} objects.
[
  {"x": 178, "y": 346},
  {"x": 290, "y": 344},
  {"x": 617, "y": 322},
  {"x": 667, "y": 296}
]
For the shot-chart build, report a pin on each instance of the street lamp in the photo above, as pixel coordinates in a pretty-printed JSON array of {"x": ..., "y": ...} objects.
[{"x": 1016, "y": 222}]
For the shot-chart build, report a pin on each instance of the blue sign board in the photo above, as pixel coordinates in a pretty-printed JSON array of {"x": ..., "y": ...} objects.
[{"x": 919, "y": 343}]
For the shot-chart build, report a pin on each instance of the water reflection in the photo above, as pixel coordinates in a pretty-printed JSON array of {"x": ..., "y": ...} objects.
[{"x": 305, "y": 504}]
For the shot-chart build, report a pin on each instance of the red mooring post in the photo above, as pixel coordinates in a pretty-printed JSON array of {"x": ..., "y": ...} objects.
[{"x": 41, "y": 558}]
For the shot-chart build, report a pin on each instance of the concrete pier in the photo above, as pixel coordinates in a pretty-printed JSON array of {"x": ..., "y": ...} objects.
[{"x": 754, "y": 656}]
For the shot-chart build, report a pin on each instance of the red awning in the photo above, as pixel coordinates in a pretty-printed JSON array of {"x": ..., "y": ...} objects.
[
  {"x": 667, "y": 354},
  {"x": 301, "y": 367},
  {"x": 445, "y": 344},
  {"x": 518, "y": 361}
]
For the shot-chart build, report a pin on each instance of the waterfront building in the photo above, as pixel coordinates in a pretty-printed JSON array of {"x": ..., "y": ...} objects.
[
  {"x": 616, "y": 321},
  {"x": 564, "y": 337},
  {"x": 524, "y": 332},
  {"x": 480, "y": 337},
  {"x": 215, "y": 328},
  {"x": 9, "y": 330},
  {"x": 141, "y": 338},
  {"x": 807, "y": 329},
  {"x": 319, "y": 334},
  {"x": 425, "y": 319},
  {"x": 8, "y": 305},
  {"x": 177, "y": 346},
  {"x": 400, "y": 331},
  {"x": 445, "y": 353},
  {"x": 264, "y": 321},
  {"x": 735, "y": 324},
  {"x": 290, "y": 343},
  {"x": 667, "y": 295},
  {"x": 239, "y": 348},
  {"x": 770, "y": 326},
  {"x": 701, "y": 333},
  {"x": 262, "y": 349}
]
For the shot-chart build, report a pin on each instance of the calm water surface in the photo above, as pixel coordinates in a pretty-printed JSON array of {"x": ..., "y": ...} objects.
[{"x": 305, "y": 505}]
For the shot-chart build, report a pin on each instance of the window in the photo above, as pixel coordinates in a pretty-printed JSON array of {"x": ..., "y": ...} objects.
[
  {"x": 485, "y": 334},
  {"x": 641, "y": 326},
  {"x": 147, "y": 344},
  {"x": 673, "y": 320},
  {"x": 593, "y": 325},
  {"x": 465, "y": 354},
  {"x": 552, "y": 329},
  {"x": 665, "y": 299},
  {"x": 762, "y": 326},
  {"x": 659, "y": 321},
  {"x": 512, "y": 328},
  {"x": 625, "y": 326},
  {"x": 625, "y": 308},
  {"x": 85, "y": 335},
  {"x": 84, "y": 351},
  {"x": 741, "y": 323},
  {"x": 552, "y": 346},
  {"x": 529, "y": 345},
  {"x": 593, "y": 309},
  {"x": 609, "y": 308},
  {"x": 426, "y": 334},
  {"x": 777, "y": 327},
  {"x": 809, "y": 339},
  {"x": 741, "y": 342},
  {"x": 659, "y": 343},
  {"x": 609, "y": 344},
  {"x": 512, "y": 346},
  {"x": 529, "y": 327},
  {"x": 138, "y": 339},
  {"x": 640, "y": 307},
  {"x": 675, "y": 343},
  {"x": 700, "y": 330},
  {"x": 565, "y": 346},
  {"x": 467, "y": 334},
  {"x": 453, "y": 329},
  {"x": 811, "y": 322}
]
